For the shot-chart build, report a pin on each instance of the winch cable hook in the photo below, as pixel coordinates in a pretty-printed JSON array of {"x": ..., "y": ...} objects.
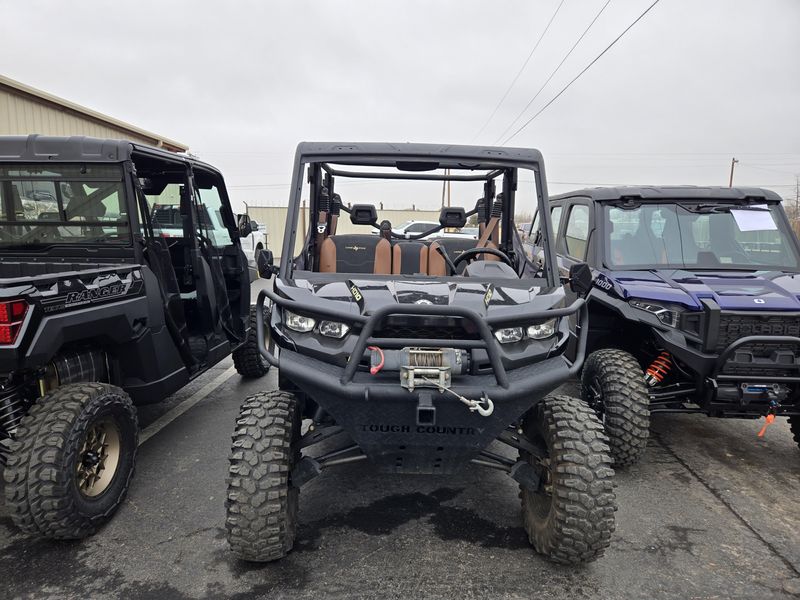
[{"x": 484, "y": 407}]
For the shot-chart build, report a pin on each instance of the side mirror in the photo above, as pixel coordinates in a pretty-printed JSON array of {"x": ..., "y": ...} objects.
[
  {"x": 580, "y": 279},
  {"x": 245, "y": 225},
  {"x": 265, "y": 263},
  {"x": 254, "y": 226}
]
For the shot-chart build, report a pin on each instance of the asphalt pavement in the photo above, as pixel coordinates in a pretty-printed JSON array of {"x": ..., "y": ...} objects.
[{"x": 711, "y": 512}]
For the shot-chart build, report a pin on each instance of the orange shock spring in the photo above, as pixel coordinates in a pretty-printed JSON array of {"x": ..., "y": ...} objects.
[{"x": 657, "y": 371}]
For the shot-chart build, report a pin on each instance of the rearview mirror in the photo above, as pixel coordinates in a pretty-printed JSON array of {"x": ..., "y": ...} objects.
[
  {"x": 265, "y": 263},
  {"x": 580, "y": 278},
  {"x": 254, "y": 225}
]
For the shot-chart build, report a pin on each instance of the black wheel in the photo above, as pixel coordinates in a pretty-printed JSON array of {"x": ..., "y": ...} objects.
[
  {"x": 247, "y": 359},
  {"x": 570, "y": 517},
  {"x": 613, "y": 385},
  {"x": 794, "y": 425},
  {"x": 262, "y": 502},
  {"x": 71, "y": 461}
]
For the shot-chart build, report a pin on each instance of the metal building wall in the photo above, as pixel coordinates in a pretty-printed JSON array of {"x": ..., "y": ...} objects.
[
  {"x": 25, "y": 110},
  {"x": 22, "y": 116}
]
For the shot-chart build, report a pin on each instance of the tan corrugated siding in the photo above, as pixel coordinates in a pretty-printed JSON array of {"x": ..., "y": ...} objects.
[{"x": 24, "y": 114}]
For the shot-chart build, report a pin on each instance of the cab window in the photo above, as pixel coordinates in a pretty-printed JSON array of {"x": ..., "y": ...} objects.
[
  {"x": 577, "y": 232},
  {"x": 555, "y": 217},
  {"x": 533, "y": 234}
]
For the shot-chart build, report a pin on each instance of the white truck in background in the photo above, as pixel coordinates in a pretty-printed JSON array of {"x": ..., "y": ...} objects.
[{"x": 251, "y": 244}]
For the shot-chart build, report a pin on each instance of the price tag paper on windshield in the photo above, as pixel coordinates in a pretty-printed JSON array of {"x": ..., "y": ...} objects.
[{"x": 757, "y": 218}]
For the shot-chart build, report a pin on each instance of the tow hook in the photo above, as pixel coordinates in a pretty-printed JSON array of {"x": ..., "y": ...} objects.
[
  {"x": 770, "y": 417},
  {"x": 484, "y": 407}
]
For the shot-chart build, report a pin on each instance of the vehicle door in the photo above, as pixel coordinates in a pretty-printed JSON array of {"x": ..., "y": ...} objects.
[
  {"x": 533, "y": 241},
  {"x": 573, "y": 247},
  {"x": 226, "y": 279}
]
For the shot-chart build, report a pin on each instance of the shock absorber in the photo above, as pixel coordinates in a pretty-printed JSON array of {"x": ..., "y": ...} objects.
[
  {"x": 12, "y": 409},
  {"x": 658, "y": 370}
]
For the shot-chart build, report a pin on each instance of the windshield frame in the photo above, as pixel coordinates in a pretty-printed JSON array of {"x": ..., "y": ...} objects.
[
  {"x": 775, "y": 209},
  {"x": 416, "y": 162}
]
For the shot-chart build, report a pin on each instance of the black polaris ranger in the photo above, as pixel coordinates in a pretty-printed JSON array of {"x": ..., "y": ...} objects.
[
  {"x": 695, "y": 305},
  {"x": 121, "y": 279},
  {"x": 418, "y": 352}
]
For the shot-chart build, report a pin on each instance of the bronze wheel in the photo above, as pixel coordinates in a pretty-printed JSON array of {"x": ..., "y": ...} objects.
[
  {"x": 71, "y": 460},
  {"x": 98, "y": 458}
]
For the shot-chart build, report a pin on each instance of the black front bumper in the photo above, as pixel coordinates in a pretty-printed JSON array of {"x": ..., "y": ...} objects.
[
  {"x": 383, "y": 418},
  {"x": 723, "y": 371}
]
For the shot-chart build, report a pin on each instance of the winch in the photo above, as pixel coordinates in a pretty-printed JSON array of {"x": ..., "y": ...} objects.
[
  {"x": 745, "y": 394},
  {"x": 421, "y": 367}
]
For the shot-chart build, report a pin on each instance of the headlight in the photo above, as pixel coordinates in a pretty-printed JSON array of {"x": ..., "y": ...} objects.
[
  {"x": 333, "y": 329},
  {"x": 668, "y": 316},
  {"x": 542, "y": 331},
  {"x": 299, "y": 322},
  {"x": 509, "y": 335}
]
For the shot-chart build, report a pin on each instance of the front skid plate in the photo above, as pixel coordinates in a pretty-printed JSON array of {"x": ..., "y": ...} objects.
[{"x": 385, "y": 425}]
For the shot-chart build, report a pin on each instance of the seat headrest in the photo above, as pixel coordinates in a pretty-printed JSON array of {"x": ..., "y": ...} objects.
[
  {"x": 363, "y": 214},
  {"x": 452, "y": 217}
]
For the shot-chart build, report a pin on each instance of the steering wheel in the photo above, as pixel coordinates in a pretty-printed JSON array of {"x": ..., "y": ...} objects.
[{"x": 473, "y": 252}]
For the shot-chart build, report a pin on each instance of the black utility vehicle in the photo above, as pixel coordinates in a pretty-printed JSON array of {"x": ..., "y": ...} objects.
[
  {"x": 121, "y": 279},
  {"x": 695, "y": 305},
  {"x": 418, "y": 352}
]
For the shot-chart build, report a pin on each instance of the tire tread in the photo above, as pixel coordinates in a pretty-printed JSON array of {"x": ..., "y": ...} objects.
[
  {"x": 247, "y": 359},
  {"x": 37, "y": 483},
  {"x": 259, "y": 504},
  {"x": 626, "y": 402},
  {"x": 581, "y": 519}
]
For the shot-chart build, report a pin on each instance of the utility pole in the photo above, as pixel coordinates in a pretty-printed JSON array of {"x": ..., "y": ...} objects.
[
  {"x": 733, "y": 164},
  {"x": 796, "y": 215}
]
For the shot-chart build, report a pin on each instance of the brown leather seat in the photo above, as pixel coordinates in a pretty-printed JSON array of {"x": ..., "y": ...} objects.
[
  {"x": 355, "y": 254},
  {"x": 409, "y": 258}
]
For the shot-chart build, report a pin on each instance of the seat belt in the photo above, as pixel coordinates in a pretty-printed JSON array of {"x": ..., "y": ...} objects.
[
  {"x": 491, "y": 232},
  {"x": 335, "y": 209},
  {"x": 322, "y": 221}
]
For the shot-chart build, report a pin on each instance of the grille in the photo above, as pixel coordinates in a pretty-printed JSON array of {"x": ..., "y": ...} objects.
[
  {"x": 733, "y": 326},
  {"x": 437, "y": 329}
]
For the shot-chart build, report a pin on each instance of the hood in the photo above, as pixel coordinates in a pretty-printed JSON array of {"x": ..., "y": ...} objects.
[
  {"x": 368, "y": 295},
  {"x": 731, "y": 290}
]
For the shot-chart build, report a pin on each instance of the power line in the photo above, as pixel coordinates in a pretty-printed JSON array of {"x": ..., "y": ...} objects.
[
  {"x": 760, "y": 168},
  {"x": 586, "y": 68},
  {"x": 521, "y": 69},
  {"x": 563, "y": 60}
]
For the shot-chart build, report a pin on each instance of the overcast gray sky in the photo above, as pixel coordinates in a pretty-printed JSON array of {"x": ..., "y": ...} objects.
[{"x": 693, "y": 84}]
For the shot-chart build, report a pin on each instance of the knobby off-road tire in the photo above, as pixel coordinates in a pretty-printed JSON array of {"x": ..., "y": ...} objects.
[
  {"x": 71, "y": 461},
  {"x": 570, "y": 518},
  {"x": 261, "y": 502},
  {"x": 794, "y": 425},
  {"x": 247, "y": 359},
  {"x": 613, "y": 385}
]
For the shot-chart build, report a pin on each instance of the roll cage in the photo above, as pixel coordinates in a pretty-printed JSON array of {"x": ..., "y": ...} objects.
[{"x": 320, "y": 164}]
